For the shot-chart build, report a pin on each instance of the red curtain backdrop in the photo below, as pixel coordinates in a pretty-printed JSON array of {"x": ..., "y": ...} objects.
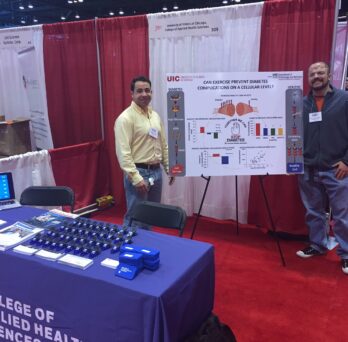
[
  {"x": 294, "y": 34},
  {"x": 78, "y": 167},
  {"x": 71, "y": 74},
  {"x": 124, "y": 54}
]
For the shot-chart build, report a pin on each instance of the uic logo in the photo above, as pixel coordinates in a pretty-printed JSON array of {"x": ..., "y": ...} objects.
[{"x": 173, "y": 78}]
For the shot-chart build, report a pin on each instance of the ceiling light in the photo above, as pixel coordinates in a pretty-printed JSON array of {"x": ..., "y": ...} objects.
[
  {"x": 70, "y": 1},
  {"x": 35, "y": 20},
  {"x": 80, "y": 0},
  {"x": 62, "y": 17},
  {"x": 111, "y": 13},
  {"x": 30, "y": 5},
  {"x": 164, "y": 8},
  {"x": 225, "y": 2},
  {"x": 175, "y": 7},
  {"x": 21, "y": 7},
  {"x": 120, "y": 12},
  {"x": 237, "y": 0},
  {"x": 77, "y": 16},
  {"x": 22, "y": 21}
]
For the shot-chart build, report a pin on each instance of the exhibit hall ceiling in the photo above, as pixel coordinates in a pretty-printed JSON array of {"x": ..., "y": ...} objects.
[{"x": 33, "y": 12}]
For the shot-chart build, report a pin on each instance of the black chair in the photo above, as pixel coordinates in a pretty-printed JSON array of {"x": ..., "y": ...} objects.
[
  {"x": 48, "y": 196},
  {"x": 160, "y": 215}
]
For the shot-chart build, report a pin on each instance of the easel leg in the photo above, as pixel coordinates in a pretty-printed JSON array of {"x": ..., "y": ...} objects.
[
  {"x": 236, "y": 184},
  {"x": 201, "y": 205},
  {"x": 271, "y": 220}
]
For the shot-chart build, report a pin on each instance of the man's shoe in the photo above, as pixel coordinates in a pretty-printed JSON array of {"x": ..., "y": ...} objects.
[
  {"x": 309, "y": 252},
  {"x": 345, "y": 266}
]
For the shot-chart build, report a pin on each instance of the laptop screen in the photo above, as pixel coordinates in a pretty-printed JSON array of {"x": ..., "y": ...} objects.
[{"x": 6, "y": 186}]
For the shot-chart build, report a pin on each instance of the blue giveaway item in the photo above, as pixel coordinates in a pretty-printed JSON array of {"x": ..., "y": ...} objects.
[
  {"x": 133, "y": 259},
  {"x": 148, "y": 253},
  {"x": 126, "y": 271},
  {"x": 128, "y": 248},
  {"x": 152, "y": 265}
]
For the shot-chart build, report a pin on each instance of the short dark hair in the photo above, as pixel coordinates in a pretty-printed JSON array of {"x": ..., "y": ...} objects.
[
  {"x": 327, "y": 65},
  {"x": 139, "y": 79}
]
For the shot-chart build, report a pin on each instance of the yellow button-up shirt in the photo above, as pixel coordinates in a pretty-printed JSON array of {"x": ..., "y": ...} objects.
[{"x": 134, "y": 144}]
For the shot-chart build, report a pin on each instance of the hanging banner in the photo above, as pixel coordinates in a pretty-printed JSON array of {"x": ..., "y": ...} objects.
[
  {"x": 192, "y": 24},
  {"x": 16, "y": 39},
  {"x": 222, "y": 124},
  {"x": 22, "y": 77}
]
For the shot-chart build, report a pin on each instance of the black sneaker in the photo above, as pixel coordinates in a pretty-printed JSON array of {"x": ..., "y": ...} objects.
[
  {"x": 309, "y": 252},
  {"x": 345, "y": 266}
]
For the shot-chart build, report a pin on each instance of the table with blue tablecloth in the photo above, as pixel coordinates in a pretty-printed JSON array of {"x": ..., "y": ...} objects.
[{"x": 42, "y": 300}]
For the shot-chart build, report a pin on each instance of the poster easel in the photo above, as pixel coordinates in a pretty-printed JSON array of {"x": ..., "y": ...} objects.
[{"x": 207, "y": 179}]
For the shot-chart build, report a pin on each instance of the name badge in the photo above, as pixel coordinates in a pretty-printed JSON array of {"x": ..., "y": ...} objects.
[
  {"x": 315, "y": 117},
  {"x": 153, "y": 132}
]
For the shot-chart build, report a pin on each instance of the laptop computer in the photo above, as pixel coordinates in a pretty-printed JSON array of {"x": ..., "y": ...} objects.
[{"x": 7, "y": 195}]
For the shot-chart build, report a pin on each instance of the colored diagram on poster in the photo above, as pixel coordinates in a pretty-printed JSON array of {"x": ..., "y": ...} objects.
[{"x": 235, "y": 123}]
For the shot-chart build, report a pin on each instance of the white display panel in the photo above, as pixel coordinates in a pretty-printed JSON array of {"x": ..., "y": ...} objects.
[{"x": 246, "y": 123}]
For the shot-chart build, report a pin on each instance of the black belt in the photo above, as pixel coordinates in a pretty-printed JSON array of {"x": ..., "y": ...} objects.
[{"x": 148, "y": 166}]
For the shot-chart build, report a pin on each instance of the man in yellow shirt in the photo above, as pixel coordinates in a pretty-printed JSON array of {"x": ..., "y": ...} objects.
[{"x": 141, "y": 147}]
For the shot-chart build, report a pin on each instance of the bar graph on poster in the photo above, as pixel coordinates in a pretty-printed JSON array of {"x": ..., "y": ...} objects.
[{"x": 247, "y": 123}]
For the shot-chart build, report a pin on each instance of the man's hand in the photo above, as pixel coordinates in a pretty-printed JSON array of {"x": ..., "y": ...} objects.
[
  {"x": 171, "y": 180},
  {"x": 142, "y": 187},
  {"x": 341, "y": 170}
]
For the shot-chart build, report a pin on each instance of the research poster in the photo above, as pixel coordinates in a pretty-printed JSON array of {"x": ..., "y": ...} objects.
[{"x": 247, "y": 123}]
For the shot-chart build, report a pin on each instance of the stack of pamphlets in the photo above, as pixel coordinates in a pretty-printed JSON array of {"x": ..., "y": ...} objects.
[
  {"x": 76, "y": 261},
  {"x": 16, "y": 234}
]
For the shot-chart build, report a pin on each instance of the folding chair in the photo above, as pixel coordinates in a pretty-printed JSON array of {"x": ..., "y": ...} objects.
[
  {"x": 160, "y": 215},
  {"x": 48, "y": 196}
]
